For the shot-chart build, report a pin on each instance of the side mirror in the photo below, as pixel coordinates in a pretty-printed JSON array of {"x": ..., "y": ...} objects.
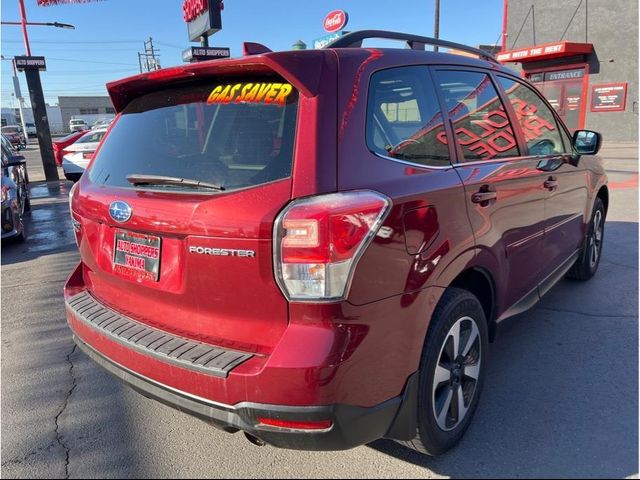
[{"x": 586, "y": 142}]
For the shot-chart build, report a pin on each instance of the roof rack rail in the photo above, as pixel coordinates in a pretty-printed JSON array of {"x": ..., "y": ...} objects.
[{"x": 415, "y": 42}]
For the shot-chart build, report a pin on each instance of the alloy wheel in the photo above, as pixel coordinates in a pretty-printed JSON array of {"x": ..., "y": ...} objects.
[
  {"x": 456, "y": 373},
  {"x": 596, "y": 238}
]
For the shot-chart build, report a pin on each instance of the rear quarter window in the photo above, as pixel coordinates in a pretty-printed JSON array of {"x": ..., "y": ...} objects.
[
  {"x": 404, "y": 120},
  {"x": 180, "y": 132}
]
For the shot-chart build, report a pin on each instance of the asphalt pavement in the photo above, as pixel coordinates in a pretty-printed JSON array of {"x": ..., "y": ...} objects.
[{"x": 560, "y": 399}]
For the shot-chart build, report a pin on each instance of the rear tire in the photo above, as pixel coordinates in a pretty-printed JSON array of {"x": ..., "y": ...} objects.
[
  {"x": 451, "y": 372},
  {"x": 587, "y": 264}
]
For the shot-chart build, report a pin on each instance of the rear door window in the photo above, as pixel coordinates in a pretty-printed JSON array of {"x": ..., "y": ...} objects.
[
  {"x": 482, "y": 127},
  {"x": 200, "y": 133},
  {"x": 404, "y": 121}
]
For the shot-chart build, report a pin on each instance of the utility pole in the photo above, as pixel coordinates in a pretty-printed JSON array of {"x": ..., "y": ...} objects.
[
  {"x": 436, "y": 24},
  {"x": 18, "y": 94},
  {"x": 32, "y": 66},
  {"x": 151, "y": 60}
]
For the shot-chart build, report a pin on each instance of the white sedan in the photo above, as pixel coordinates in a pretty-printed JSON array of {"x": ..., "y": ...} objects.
[{"x": 78, "y": 155}]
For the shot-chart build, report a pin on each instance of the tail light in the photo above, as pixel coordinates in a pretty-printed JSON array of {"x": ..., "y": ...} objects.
[
  {"x": 319, "y": 240},
  {"x": 87, "y": 155},
  {"x": 77, "y": 226}
]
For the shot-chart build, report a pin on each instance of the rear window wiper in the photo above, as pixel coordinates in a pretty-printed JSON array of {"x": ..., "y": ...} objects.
[{"x": 139, "y": 179}]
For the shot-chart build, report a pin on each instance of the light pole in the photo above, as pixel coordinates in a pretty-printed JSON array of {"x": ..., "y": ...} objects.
[
  {"x": 39, "y": 108},
  {"x": 436, "y": 23},
  {"x": 18, "y": 95}
]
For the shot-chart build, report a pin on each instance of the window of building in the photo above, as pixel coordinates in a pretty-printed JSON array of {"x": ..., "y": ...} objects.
[
  {"x": 536, "y": 119},
  {"x": 404, "y": 121},
  {"x": 110, "y": 110},
  {"x": 482, "y": 126},
  {"x": 88, "y": 111}
]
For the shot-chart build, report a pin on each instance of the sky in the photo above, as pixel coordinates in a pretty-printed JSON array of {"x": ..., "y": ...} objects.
[{"x": 109, "y": 33}]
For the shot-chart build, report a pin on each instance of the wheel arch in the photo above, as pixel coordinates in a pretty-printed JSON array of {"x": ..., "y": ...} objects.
[
  {"x": 479, "y": 281},
  {"x": 603, "y": 194}
]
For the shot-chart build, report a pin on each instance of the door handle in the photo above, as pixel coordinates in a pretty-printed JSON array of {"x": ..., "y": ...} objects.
[
  {"x": 483, "y": 198},
  {"x": 551, "y": 183}
]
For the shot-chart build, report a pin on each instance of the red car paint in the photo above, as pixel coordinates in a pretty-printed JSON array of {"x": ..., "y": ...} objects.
[
  {"x": 360, "y": 350},
  {"x": 59, "y": 145}
]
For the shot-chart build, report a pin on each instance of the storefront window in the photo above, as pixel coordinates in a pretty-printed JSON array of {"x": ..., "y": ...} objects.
[
  {"x": 564, "y": 91},
  {"x": 539, "y": 126}
]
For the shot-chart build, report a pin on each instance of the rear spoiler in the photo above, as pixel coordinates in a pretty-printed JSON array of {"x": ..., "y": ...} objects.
[{"x": 300, "y": 68}]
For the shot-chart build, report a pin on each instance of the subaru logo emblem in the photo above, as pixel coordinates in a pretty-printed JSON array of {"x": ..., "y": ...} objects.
[{"x": 120, "y": 211}]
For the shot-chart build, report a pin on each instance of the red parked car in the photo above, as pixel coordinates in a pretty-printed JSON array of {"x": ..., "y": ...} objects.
[
  {"x": 316, "y": 247},
  {"x": 60, "y": 145}
]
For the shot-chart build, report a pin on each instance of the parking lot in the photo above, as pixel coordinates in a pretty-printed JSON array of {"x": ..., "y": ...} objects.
[{"x": 561, "y": 395}]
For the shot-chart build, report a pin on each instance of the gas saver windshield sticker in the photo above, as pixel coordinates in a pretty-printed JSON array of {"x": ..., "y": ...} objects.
[{"x": 269, "y": 93}]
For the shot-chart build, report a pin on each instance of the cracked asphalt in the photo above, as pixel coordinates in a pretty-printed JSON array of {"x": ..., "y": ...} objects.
[{"x": 560, "y": 400}]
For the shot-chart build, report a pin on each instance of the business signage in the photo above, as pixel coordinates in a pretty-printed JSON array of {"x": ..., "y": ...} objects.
[
  {"x": 335, "y": 20},
  {"x": 202, "y": 17},
  {"x": 545, "y": 51},
  {"x": 30, "y": 63},
  {"x": 199, "y": 54},
  {"x": 564, "y": 75},
  {"x": 327, "y": 39},
  {"x": 609, "y": 97}
]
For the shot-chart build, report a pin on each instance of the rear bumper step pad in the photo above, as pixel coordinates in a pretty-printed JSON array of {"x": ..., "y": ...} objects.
[{"x": 151, "y": 341}]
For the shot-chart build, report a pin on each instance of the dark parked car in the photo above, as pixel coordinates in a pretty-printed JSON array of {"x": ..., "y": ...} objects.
[
  {"x": 15, "y": 135},
  {"x": 316, "y": 247},
  {"x": 15, "y": 193}
]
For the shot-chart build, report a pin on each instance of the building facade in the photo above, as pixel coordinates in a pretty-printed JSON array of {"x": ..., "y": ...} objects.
[
  {"x": 583, "y": 55},
  {"x": 90, "y": 109}
]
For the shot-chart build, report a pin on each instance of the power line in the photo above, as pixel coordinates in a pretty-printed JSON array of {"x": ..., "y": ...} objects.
[
  {"x": 91, "y": 61},
  {"x": 76, "y": 42}
]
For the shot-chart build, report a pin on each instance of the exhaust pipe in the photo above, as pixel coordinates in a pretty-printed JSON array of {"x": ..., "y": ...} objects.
[{"x": 255, "y": 440}]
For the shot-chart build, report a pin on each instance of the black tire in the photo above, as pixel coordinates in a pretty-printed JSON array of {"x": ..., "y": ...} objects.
[
  {"x": 22, "y": 236},
  {"x": 454, "y": 307},
  {"x": 587, "y": 264}
]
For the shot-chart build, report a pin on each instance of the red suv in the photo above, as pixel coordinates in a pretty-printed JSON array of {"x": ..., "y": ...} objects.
[{"x": 315, "y": 247}]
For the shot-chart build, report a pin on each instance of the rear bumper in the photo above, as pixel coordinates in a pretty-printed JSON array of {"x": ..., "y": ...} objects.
[
  {"x": 351, "y": 426},
  {"x": 356, "y": 370}
]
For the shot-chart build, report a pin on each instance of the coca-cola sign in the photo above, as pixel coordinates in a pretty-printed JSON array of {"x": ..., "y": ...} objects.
[{"x": 335, "y": 20}]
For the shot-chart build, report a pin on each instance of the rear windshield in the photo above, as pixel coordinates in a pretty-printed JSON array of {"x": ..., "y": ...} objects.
[
  {"x": 10, "y": 129},
  {"x": 69, "y": 137},
  {"x": 234, "y": 134},
  {"x": 78, "y": 122},
  {"x": 92, "y": 137}
]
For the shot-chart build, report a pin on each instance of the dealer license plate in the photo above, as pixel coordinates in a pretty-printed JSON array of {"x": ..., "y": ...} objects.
[{"x": 137, "y": 255}]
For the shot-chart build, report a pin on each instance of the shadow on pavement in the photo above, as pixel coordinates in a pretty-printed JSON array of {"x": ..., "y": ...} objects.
[{"x": 561, "y": 393}]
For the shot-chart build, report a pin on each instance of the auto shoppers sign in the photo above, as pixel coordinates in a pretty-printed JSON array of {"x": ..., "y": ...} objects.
[
  {"x": 30, "y": 63},
  {"x": 335, "y": 21}
]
